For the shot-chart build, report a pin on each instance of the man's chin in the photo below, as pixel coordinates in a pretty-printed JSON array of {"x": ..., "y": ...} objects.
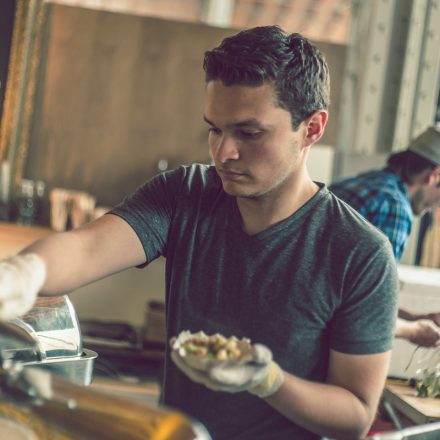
[
  {"x": 244, "y": 193},
  {"x": 235, "y": 190}
]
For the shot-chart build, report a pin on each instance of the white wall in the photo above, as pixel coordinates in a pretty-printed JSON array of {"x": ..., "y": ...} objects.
[{"x": 320, "y": 163}]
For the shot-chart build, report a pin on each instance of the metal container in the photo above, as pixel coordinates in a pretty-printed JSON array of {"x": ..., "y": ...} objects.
[
  {"x": 77, "y": 369},
  {"x": 55, "y": 341}
]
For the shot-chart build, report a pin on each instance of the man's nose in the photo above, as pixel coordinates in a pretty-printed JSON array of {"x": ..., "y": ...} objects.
[{"x": 226, "y": 149}]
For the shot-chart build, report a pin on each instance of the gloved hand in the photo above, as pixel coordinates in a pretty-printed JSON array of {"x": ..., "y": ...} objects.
[
  {"x": 260, "y": 376},
  {"x": 21, "y": 278}
]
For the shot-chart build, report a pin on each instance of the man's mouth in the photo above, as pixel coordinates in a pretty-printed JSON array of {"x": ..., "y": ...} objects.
[{"x": 229, "y": 174}]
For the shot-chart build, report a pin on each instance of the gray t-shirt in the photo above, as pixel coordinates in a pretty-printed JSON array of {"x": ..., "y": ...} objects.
[{"x": 322, "y": 278}]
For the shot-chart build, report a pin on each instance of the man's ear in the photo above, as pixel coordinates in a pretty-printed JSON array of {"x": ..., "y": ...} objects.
[
  {"x": 434, "y": 176},
  {"x": 315, "y": 125}
]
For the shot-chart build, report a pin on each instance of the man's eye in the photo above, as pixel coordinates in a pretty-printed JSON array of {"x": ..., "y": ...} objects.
[
  {"x": 249, "y": 134},
  {"x": 213, "y": 130}
]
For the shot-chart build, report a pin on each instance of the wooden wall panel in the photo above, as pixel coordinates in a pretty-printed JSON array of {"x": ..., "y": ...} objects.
[{"x": 119, "y": 92}]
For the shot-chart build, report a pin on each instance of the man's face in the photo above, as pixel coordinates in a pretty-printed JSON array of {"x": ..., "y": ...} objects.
[
  {"x": 428, "y": 195},
  {"x": 255, "y": 150}
]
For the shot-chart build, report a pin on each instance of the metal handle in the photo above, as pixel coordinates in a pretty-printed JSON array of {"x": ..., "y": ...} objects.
[
  {"x": 19, "y": 339},
  {"x": 430, "y": 431}
]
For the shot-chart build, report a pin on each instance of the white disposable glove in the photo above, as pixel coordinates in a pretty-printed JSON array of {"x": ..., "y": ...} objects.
[
  {"x": 260, "y": 376},
  {"x": 21, "y": 278}
]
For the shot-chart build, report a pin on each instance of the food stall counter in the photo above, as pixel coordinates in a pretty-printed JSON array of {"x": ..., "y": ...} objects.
[{"x": 418, "y": 410}]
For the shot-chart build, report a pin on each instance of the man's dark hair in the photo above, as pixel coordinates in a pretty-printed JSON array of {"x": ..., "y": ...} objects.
[
  {"x": 408, "y": 164},
  {"x": 267, "y": 54}
]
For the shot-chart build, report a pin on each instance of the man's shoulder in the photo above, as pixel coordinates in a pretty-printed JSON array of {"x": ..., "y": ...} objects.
[
  {"x": 349, "y": 223},
  {"x": 194, "y": 172},
  {"x": 194, "y": 177}
]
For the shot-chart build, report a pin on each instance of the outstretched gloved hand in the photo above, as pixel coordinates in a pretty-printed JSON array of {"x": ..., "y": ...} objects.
[
  {"x": 21, "y": 278},
  {"x": 258, "y": 374}
]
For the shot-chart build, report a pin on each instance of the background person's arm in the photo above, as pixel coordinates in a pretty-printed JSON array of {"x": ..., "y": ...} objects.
[
  {"x": 420, "y": 332},
  {"x": 413, "y": 316},
  {"x": 345, "y": 406}
]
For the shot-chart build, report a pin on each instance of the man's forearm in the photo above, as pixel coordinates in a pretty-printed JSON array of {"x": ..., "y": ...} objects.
[
  {"x": 409, "y": 316},
  {"x": 404, "y": 329},
  {"x": 79, "y": 257},
  {"x": 65, "y": 261},
  {"x": 324, "y": 409}
]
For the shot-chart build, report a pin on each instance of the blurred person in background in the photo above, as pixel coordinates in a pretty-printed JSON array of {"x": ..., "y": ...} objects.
[{"x": 389, "y": 198}]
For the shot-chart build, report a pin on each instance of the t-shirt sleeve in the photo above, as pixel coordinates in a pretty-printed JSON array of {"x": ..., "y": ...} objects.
[
  {"x": 365, "y": 322},
  {"x": 149, "y": 211}
]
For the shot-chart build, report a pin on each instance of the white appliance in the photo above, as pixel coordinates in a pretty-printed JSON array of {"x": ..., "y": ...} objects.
[{"x": 420, "y": 292}]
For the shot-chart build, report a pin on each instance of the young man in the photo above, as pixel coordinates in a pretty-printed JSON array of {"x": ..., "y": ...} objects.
[
  {"x": 254, "y": 248},
  {"x": 389, "y": 198}
]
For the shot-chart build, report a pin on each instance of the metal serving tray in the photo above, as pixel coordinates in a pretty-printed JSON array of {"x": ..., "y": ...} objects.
[{"x": 54, "y": 340}]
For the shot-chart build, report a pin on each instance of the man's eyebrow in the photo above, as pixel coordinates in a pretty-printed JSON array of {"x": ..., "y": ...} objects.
[
  {"x": 246, "y": 123},
  {"x": 207, "y": 120}
]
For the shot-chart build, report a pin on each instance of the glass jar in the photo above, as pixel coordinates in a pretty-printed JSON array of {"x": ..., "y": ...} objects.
[
  {"x": 428, "y": 374},
  {"x": 28, "y": 201}
]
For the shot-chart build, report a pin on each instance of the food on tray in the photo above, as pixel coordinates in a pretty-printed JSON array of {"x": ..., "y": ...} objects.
[{"x": 202, "y": 351}]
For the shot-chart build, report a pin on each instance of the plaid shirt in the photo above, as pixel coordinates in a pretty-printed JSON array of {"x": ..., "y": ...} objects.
[{"x": 382, "y": 198}]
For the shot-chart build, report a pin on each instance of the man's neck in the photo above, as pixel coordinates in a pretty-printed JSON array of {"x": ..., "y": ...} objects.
[{"x": 261, "y": 213}]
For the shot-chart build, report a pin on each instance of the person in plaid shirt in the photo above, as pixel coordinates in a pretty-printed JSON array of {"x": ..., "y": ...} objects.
[{"x": 389, "y": 198}]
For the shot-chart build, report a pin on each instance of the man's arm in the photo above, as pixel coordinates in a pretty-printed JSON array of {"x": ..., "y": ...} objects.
[
  {"x": 94, "y": 251},
  {"x": 412, "y": 316},
  {"x": 345, "y": 406}
]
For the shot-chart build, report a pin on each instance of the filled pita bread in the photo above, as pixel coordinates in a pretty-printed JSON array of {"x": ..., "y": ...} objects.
[{"x": 201, "y": 351}]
